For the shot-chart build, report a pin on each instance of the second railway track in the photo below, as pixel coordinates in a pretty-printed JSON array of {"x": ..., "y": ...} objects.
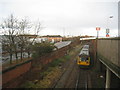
[{"x": 67, "y": 73}]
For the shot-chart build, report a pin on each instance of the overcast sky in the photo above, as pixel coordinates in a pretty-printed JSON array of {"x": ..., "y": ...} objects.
[{"x": 66, "y": 17}]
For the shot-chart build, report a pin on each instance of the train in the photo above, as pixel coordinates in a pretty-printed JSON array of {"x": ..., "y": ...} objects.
[{"x": 83, "y": 59}]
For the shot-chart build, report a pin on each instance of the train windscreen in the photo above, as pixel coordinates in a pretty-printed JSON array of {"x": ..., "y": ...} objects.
[{"x": 83, "y": 58}]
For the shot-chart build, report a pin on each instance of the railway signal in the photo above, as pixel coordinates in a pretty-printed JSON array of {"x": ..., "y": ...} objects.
[
  {"x": 107, "y": 35},
  {"x": 107, "y": 32},
  {"x": 97, "y": 29}
]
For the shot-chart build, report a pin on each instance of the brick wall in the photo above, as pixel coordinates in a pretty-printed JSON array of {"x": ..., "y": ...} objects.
[
  {"x": 14, "y": 72},
  {"x": 50, "y": 57},
  {"x": 13, "y": 77}
]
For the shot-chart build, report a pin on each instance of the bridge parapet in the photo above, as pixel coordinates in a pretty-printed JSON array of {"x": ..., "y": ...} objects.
[{"x": 108, "y": 52}]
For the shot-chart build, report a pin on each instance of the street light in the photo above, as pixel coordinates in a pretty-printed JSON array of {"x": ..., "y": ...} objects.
[{"x": 111, "y": 17}]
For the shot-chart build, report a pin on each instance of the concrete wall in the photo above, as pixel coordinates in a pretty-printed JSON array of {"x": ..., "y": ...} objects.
[{"x": 109, "y": 48}]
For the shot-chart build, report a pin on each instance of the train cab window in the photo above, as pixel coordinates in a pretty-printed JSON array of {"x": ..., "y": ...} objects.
[{"x": 83, "y": 59}]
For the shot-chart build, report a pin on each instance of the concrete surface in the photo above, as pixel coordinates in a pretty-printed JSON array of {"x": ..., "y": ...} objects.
[{"x": 110, "y": 50}]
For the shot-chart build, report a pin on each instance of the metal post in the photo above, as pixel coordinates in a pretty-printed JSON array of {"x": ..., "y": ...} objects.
[
  {"x": 97, "y": 34},
  {"x": 108, "y": 78}
]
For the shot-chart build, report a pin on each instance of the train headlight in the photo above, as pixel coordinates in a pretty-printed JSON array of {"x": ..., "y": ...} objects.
[{"x": 87, "y": 62}]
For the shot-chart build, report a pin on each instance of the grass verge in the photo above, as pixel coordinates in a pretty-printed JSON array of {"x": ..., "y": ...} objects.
[{"x": 52, "y": 72}]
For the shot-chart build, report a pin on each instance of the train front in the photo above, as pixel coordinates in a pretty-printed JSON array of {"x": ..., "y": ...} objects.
[{"x": 83, "y": 59}]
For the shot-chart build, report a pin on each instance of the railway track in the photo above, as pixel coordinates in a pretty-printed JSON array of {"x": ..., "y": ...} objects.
[
  {"x": 83, "y": 80},
  {"x": 84, "y": 77},
  {"x": 68, "y": 71},
  {"x": 71, "y": 75},
  {"x": 71, "y": 67}
]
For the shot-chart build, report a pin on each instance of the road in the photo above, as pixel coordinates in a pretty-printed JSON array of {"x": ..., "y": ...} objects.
[{"x": 6, "y": 57}]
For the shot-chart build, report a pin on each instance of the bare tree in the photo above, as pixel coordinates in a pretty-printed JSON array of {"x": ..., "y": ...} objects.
[
  {"x": 15, "y": 36},
  {"x": 36, "y": 29},
  {"x": 25, "y": 26},
  {"x": 10, "y": 26}
]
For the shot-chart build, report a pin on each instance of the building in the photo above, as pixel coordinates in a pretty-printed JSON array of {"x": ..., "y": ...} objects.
[
  {"x": 48, "y": 38},
  {"x": 38, "y": 39},
  {"x": 53, "y": 38},
  {"x": 29, "y": 35}
]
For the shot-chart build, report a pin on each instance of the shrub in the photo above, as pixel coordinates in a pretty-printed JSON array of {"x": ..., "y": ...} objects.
[{"x": 41, "y": 49}]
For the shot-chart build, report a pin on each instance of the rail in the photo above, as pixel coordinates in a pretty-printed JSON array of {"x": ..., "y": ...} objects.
[
  {"x": 55, "y": 85},
  {"x": 82, "y": 80}
]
